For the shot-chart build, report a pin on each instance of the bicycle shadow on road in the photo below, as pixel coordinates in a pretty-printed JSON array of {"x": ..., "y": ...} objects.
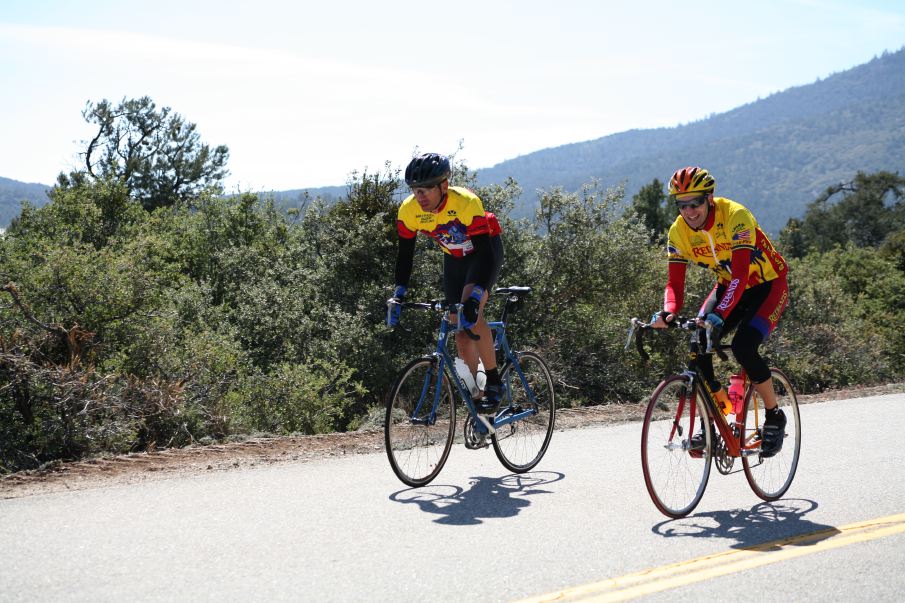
[
  {"x": 486, "y": 498},
  {"x": 763, "y": 524}
]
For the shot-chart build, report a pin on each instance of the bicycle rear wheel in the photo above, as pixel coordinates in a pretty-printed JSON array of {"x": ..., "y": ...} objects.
[
  {"x": 420, "y": 422},
  {"x": 520, "y": 445},
  {"x": 675, "y": 475},
  {"x": 771, "y": 477}
]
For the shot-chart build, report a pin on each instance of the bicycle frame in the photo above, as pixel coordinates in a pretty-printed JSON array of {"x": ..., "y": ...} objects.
[
  {"x": 733, "y": 434},
  {"x": 510, "y": 363},
  {"x": 444, "y": 363}
]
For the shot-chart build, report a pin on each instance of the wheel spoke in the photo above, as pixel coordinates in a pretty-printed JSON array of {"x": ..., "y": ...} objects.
[
  {"x": 419, "y": 424},
  {"x": 675, "y": 476},
  {"x": 771, "y": 477},
  {"x": 520, "y": 445}
]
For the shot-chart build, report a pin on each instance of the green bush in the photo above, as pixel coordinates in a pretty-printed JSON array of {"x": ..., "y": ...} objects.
[
  {"x": 296, "y": 398},
  {"x": 225, "y": 315},
  {"x": 841, "y": 326}
]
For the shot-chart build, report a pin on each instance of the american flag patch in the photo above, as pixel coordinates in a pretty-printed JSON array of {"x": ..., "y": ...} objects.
[{"x": 745, "y": 234}]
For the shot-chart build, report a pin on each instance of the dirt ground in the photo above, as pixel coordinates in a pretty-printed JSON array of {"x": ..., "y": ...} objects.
[{"x": 139, "y": 467}]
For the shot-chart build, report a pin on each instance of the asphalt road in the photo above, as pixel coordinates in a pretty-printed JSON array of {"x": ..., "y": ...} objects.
[{"x": 581, "y": 525}]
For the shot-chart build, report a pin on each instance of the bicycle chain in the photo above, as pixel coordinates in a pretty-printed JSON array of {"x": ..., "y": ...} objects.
[{"x": 473, "y": 438}]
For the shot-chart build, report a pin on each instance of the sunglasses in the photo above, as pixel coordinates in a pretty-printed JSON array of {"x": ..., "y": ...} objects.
[
  {"x": 691, "y": 203},
  {"x": 423, "y": 190}
]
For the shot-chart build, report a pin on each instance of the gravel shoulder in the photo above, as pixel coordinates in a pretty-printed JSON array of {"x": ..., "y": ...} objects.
[{"x": 264, "y": 451}]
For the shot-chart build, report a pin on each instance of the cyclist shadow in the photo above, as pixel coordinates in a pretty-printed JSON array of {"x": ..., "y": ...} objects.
[
  {"x": 777, "y": 520},
  {"x": 486, "y": 498}
]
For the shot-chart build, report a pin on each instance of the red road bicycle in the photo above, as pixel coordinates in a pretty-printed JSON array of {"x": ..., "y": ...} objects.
[{"x": 676, "y": 470}]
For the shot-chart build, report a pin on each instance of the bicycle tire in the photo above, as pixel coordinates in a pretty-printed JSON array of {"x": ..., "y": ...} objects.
[
  {"x": 676, "y": 477},
  {"x": 521, "y": 445},
  {"x": 418, "y": 449},
  {"x": 771, "y": 477}
]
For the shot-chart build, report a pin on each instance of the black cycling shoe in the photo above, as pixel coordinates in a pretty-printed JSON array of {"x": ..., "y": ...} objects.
[
  {"x": 773, "y": 433},
  {"x": 697, "y": 443},
  {"x": 490, "y": 401}
]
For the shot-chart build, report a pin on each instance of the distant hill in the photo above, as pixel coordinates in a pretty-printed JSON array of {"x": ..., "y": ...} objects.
[
  {"x": 774, "y": 155},
  {"x": 296, "y": 197},
  {"x": 13, "y": 192}
]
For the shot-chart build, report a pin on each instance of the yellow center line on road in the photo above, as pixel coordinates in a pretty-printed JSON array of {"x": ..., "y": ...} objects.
[{"x": 682, "y": 573}]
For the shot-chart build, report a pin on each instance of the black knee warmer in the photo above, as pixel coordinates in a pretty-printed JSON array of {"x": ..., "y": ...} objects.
[{"x": 744, "y": 347}]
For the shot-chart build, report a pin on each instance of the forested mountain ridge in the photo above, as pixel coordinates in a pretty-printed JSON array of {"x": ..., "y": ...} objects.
[
  {"x": 13, "y": 192},
  {"x": 775, "y": 154}
]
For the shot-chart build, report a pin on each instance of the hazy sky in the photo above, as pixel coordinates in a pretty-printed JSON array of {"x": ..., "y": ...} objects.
[{"x": 303, "y": 93}]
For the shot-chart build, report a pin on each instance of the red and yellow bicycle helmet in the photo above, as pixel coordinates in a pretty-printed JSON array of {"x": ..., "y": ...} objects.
[{"x": 691, "y": 180}]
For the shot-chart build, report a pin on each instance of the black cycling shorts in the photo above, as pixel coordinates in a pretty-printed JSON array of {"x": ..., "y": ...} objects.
[{"x": 459, "y": 271}]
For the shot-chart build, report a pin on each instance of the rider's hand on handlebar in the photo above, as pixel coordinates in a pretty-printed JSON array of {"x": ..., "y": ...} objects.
[
  {"x": 394, "y": 307},
  {"x": 660, "y": 319},
  {"x": 470, "y": 307}
]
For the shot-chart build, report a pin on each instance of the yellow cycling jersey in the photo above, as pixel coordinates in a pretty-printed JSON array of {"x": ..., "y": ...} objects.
[
  {"x": 461, "y": 217},
  {"x": 731, "y": 226}
]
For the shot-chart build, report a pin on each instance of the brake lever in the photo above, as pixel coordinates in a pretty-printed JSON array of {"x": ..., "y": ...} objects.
[
  {"x": 714, "y": 334},
  {"x": 640, "y": 345},
  {"x": 631, "y": 331},
  {"x": 637, "y": 330},
  {"x": 717, "y": 336}
]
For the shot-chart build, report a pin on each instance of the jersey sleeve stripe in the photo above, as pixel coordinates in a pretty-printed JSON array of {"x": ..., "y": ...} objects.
[{"x": 404, "y": 231}]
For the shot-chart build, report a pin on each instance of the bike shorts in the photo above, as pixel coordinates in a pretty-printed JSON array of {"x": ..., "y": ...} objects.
[
  {"x": 457, "y": 272},
  {"x": 754, "y": 318},
  {"x": 760, "y": 306}
]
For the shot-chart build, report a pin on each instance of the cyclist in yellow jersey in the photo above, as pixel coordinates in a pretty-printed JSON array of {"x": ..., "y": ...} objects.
[
  {"x": 472, "y": 257},
  {"x": 751, "y": 291}
]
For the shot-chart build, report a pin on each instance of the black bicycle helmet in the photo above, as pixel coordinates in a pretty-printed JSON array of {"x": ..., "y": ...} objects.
[{"x": 429, "y": 169}]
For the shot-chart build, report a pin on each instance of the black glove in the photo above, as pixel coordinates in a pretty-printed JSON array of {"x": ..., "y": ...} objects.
[{"x": 471, "y": 306}]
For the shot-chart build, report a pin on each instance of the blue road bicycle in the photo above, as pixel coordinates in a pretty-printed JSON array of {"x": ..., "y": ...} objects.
[{"x": 420, "y": 423}]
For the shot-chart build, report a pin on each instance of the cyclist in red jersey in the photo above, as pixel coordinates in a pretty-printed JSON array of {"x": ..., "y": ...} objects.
[
  {"x": 751, "y": 291},
  {"x": 472, "y": 257}
]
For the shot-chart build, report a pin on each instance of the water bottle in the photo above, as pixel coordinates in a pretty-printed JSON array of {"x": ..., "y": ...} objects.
[
  {"x": 480, "y": 377},
  {"x": 737, "y": 392},
  {"x": 467, "y": 377},
  {"x": 720, "y": 396},
  {"x": 722, "y": 400}
]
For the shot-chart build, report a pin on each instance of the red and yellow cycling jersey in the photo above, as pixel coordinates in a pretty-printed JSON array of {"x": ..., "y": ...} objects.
[
  {"x": 458, "y": 219},
  {"x": 729, "y": 227}
]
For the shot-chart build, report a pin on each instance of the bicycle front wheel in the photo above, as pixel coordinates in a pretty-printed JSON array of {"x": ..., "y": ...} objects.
[
  {"x": 675, "y": 473},
  {"x": 521, "y": 445},
  {"x": 420, "y": 422},
  {"x": 771, "y": 477}
]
